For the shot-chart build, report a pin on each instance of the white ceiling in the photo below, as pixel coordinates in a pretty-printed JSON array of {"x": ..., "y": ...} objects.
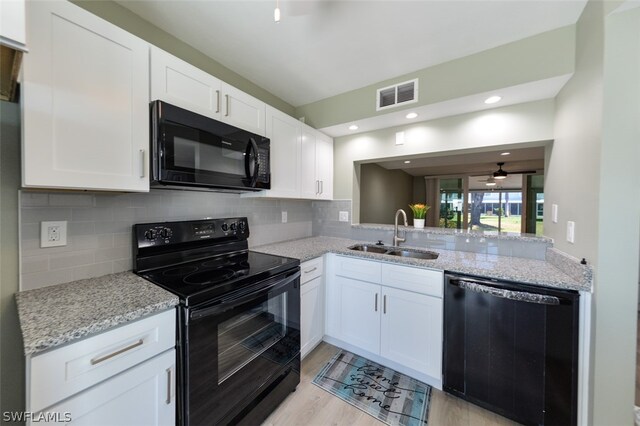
[
  {"x": 322, "y": 48},
  {"x": 474, "y": 164}
]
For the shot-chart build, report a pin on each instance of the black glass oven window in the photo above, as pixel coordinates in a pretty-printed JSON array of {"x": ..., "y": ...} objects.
[
  {"x": 223, "y": 157},
  {"x": 247, "y": 335}
]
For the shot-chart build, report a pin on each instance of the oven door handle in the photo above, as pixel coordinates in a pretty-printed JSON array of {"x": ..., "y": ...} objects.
[{"x": 231, "y": 302}]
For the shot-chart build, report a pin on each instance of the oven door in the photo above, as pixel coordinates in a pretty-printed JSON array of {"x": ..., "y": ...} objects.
[
  {"x": 238, "y": 347},
  {"x": 193, "y": 150}
]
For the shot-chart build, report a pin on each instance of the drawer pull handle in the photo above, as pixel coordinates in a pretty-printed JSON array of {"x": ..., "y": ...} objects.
[
  {"x": 168, "y": 401},
  {"x": 384, "y": 304},
  {"x": 99, "y": 359},
  {"x": 311, "y": 270}
]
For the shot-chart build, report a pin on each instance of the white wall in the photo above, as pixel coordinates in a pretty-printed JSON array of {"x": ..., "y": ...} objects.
[{"x": 513, "y": 126}]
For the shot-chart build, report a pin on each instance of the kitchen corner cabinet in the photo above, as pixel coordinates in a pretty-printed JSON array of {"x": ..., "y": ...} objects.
[
  {"x": 122, "y": 376},
  {"x": 181, "y": 84},
  {"x": 311, "y": 305},
  {"x": 85, "y": 102},
  {"x": 12, "y": 25},
  {"x": 301, "y": 159},
  {"x": 391, "y": 313}
]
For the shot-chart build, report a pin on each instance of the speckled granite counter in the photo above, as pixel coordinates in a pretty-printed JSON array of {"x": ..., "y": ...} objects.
[
  {"x": 530, "y": 271},
  {"x": 59, "y": 314}
]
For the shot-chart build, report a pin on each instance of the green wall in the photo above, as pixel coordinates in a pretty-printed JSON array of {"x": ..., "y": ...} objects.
[
  {"x": 133, "y": 23},
  {"x": 542, "y": 56},
  {"x": 382, "y": 192},
  {"x": 12, "y": 376}
]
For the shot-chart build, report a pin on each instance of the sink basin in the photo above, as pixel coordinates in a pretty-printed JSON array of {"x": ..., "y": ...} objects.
[
  {"x": 369, "y": 249},
  {"x": 395, "y": 252},
  {"x": 413, "y": 254}
]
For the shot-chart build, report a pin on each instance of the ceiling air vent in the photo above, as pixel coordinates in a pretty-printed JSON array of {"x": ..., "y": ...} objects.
[{"x": 402, "y": 93}]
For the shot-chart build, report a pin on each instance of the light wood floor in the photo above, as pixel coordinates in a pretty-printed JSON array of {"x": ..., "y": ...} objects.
[{"x": 310, "y": 405}]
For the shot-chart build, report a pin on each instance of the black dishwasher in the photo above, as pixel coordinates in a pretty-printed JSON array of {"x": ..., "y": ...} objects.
[{"x": 512, "y": 348}]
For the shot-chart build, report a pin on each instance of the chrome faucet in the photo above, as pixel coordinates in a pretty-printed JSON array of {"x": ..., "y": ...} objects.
[{"x": 396, "y": 239}]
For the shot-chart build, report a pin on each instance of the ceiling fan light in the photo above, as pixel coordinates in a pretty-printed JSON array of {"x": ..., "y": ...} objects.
[
  {"x": 500, "y": 174},
  {"x": 493, "y": 183}
]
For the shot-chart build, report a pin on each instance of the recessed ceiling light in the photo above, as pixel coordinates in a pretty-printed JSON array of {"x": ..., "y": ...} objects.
[
  {"x": 505, "y": 153},
  {"x": 407, "y": 162},
  {"x": 411, "y": 115},
  {"x": 492, "y": 100},
  {"x": 353, "y": 127}
]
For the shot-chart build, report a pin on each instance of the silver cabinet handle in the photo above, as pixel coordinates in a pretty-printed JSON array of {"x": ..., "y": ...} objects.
[
  {"x": 168, "y": 401},
  {"x": 99, "y": 359},
  {"x": 376, "y": 303},
  {"x": 317, "y": 187},
  {"x": 321, "y": 187},
  {"x": 311, "y": 270},
  {"x": 226, "y": 113},
  {"x": 142, "y": 163},
  {"x": 540, "y": 299},
  {"x": 217, "y": 101},
  {"x": 384, "y": 304}
]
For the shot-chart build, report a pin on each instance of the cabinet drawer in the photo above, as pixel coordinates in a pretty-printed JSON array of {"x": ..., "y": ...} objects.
[
  {"x": 311, "y": 269},
  {"x": 418, "y": 280},
  {"x": 62, "y": 372},
  {"x": 358, "y": 269}
]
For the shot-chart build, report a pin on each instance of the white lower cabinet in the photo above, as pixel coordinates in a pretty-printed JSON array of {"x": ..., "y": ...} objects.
[
  {"x": 123, "y": 376},
  {"x": 311, "y": 305},
  {"x": 392, "y": 314},
  {"x": 143, "y": 395}
]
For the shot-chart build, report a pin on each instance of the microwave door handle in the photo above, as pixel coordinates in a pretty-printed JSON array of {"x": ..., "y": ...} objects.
[
  {"x": 232, "y": 302},
  {"x": 252, "y": 178}
]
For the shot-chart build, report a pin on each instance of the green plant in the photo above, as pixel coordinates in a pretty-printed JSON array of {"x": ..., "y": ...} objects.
[{"x": 419, "y": 210}]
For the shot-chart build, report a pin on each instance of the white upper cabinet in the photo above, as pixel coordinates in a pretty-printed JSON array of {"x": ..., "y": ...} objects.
[
  {"x": 86, "y": 102},
  {"x": 181, "y": 84},
  {"x": 324, "y": 166},
  {"x": 12, "y": 24},
  {"x": 284, "y": 134},
  {"x": 309, "y": 185},
  {"x": 242, "y": 110}
]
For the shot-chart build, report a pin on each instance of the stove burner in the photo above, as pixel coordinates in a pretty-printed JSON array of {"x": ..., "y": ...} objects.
[
  {"x": 216, "y": 263},
  {"x": 181, "y": 270},
  {"x": 211, "y": 276}
]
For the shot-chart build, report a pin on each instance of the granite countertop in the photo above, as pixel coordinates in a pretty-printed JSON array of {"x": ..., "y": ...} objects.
[
  {"x": 502, "y": 235},
  {"x": 52, "y": 316},
  {"x": 528, "y": 271}
]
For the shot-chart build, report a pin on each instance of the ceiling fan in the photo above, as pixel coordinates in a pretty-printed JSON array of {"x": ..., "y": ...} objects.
[
  {"x": 502, "y": 174},
  {"x": 489, "y": 181}
]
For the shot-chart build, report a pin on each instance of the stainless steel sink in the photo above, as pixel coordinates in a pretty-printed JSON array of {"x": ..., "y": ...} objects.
[
  {"x": 414, "y": 254},
  {"x": 395, "y": 252},
  {"x": 369, "y": 248}
]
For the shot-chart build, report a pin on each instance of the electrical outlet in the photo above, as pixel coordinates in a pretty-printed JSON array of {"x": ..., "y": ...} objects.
[
  {"x": 554, "y": 213},
  {"x": 53, "y": 234},
  {"x": 343, "y": 216},
  {"x": 571, "y": 231},
  {"x": 284, "y": 217}
]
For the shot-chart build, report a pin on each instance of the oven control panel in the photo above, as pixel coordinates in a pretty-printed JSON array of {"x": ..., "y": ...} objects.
[{"x": 168, "y": 233}]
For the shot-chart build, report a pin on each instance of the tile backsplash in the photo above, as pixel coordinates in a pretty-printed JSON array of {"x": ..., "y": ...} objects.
[{"x": 99, "y": 237}]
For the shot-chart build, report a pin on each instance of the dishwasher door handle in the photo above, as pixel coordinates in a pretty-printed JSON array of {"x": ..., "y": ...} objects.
[{"x": 522, "y": 296}]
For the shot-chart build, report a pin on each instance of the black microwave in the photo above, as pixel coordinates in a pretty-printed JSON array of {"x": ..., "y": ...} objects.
[{"x": 191, "y": 151}]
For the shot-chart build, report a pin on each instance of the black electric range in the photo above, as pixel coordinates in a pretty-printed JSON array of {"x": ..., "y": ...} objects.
[{"x": 238, "y": 339}]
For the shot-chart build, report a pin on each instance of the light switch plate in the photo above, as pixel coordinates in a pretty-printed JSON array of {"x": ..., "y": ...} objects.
[
  {"x": 571, "y": 231},
  {"x": 343, "y": 216},
  {"x": 53, "y": 234},
  {"x": 554, "y": 213},
  {"x": 284, "y": 217}
]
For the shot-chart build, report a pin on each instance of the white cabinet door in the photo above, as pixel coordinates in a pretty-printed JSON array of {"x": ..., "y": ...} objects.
[
  {"x": 243, "y": 110},
  {"x": 309, "y": 184},
  {"x": 12, "y": 24},
  {"x": 311, "y": 315},
  {"x": 86, "y": 102},
  {"x": 324, "y": 166},
  {"x": 411, "y": 330},
  {"x": 360, "y": 304},
  {"x": 284, "y": 133},
  {"x": 143, "y": 395},
  {"x": 181, "y": 84}
]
